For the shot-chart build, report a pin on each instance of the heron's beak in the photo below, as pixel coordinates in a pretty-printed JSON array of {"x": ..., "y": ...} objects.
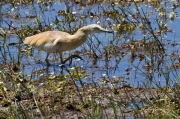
[
  {"x": 110, "y": 31},
  {"x": 104, "y": 30}
]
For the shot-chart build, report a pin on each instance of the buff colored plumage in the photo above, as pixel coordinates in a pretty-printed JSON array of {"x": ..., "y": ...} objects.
[{"x": 58, "y": 41}]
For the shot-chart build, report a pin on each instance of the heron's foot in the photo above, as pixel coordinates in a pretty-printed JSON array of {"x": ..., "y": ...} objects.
[{"x": 71, "y": 57}]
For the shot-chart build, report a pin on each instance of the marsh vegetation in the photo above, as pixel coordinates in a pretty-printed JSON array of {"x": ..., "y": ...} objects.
[{"x": 132, "y": 73}]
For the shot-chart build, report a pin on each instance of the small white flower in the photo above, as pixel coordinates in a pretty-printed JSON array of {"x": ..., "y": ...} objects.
[
  {"x": 103, "y": 75},
  {"x": 18, "y": 84},
  {"x": 12, "y": 9},
  {"x": 78, "y": 60},
  {"x": 73, "y": 12},
  {"x": 51, "y": 24},
  {"x": 107, "y": 19},
  {"x": 5, "y": 89},
  {"x": 21, "y": 80},
  {"x": 72, "y": 68},
  {"x": 1, "y": 83},
  {"x": 37, "y": 110}
]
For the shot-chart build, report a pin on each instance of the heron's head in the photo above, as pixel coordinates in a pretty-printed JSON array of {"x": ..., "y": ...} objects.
[{"x": 94, "y": 28}]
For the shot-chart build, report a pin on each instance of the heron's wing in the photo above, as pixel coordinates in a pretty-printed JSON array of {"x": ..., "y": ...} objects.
[{"x": 44, "y": 38}]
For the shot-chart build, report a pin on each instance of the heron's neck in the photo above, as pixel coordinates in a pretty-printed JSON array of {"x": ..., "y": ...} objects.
[{"x": 80, "y": 37}]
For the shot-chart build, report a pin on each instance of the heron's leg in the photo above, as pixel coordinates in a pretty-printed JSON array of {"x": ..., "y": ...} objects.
[
  {"x": 61, "y": 58},
  {"x": 63, "y": 62},
  {"x": 47, "y": 61}
]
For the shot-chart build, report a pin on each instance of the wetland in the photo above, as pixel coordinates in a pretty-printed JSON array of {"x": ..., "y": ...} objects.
[{"x": 132, "y": 73}]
